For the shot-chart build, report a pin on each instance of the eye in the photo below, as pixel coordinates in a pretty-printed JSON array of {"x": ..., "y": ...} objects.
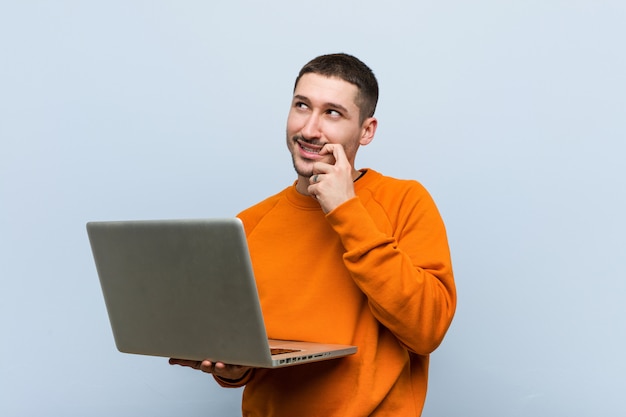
[
  {"x": 333, "y": 113},
  {"x": 300, "y": 105}
]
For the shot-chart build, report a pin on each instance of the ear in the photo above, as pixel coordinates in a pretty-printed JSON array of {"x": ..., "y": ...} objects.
[{"x": 368, "y": 130}]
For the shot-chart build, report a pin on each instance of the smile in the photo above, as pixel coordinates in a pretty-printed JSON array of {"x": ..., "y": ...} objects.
[{"x": 308, "y": 147}]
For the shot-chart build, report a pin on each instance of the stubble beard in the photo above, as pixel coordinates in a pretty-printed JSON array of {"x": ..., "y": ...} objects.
[
  {"x": 296, "y": 159},
  {"x": 299, "y": 170}
]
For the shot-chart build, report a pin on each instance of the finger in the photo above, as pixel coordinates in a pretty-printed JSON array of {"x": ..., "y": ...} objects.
[
  {"x": 337, "y": 151},
  {"x": 230, "y": 371},
  {"x": 206, "y": 366},
  {"x": 223, "y": 369},
  {"x": 185, "y": 362}
]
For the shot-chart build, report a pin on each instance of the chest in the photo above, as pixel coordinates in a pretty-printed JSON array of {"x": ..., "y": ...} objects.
[{"x": 302, "y": 279}]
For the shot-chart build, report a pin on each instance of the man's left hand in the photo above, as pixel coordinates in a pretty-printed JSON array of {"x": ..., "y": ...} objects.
[{"x": 332, "y": 184}]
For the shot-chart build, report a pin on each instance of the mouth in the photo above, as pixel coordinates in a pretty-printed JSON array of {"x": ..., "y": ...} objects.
[{"x": 308, "y": 148}]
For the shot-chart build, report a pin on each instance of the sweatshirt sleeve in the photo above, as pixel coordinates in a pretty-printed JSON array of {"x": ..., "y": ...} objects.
[
  {"x": 228, "y": 383},
  {"x": 398, "y": 255}
]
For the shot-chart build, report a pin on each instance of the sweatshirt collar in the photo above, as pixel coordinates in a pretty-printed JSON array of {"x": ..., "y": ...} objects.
[{"x": 309, "y": 203}]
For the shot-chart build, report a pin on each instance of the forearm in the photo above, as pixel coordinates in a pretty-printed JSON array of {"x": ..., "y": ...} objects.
[{"x": 403, "y": 267}]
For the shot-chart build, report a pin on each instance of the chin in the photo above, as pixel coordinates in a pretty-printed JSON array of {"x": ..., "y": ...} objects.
[{"x": 303, "y": 169}]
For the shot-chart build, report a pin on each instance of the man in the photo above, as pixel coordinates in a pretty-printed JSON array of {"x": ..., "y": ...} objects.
[{"x": 344, "y": 256}]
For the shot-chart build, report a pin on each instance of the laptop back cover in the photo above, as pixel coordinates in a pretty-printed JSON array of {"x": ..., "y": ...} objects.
[{"x": 180, "y": 288}]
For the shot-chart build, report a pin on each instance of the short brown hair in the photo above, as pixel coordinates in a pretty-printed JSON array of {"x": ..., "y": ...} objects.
[{"x": 352, "y": 70}]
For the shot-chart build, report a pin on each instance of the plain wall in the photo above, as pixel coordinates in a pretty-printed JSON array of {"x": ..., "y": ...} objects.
[{"x": 512, "y": 114}]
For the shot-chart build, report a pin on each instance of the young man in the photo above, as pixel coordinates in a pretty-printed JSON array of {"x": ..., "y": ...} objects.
[{"x": 344, "y": 256}]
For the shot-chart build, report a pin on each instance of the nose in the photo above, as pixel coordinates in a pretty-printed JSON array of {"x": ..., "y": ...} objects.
[{"x": 311, "y": 128}]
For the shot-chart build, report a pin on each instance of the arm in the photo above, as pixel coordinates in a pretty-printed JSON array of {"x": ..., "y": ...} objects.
[{"x": 397, "y": 253}]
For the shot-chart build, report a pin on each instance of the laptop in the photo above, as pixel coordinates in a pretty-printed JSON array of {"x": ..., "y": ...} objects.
[{"x": 185, "y": 289}]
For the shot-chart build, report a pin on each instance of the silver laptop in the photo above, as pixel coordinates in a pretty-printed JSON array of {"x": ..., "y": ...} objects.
[{"x": 185, "y": 289}]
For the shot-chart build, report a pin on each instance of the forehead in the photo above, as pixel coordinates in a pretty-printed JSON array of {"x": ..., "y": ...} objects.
[{"x": 321, "y": 89}]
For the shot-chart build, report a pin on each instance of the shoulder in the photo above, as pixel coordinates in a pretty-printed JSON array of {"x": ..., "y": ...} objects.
[
  {"x": 253, "y": 214},
  {"x": 402, "y": 208},
  {"x": 399, "y": 201},
  {"x": 384, "y": 187}
]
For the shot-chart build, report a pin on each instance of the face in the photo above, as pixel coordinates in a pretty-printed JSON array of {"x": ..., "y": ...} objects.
[{"x": 323, "y": 110}]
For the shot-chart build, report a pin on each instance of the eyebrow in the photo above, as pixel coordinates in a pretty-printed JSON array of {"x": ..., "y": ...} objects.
[{"x": 332, "y": 105}]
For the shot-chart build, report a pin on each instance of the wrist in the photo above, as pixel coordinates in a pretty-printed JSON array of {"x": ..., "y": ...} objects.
[{"x": 235, "y": 380}]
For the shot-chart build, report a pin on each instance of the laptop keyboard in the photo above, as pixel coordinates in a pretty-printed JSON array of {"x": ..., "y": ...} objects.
[{"x": 278, "y": 351}]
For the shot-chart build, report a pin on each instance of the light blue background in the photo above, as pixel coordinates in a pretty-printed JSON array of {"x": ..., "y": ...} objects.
[{"x": 512, "y": 113}]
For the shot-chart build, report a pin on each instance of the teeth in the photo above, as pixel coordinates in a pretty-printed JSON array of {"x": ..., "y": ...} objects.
[{"x": 309, "y": 150}]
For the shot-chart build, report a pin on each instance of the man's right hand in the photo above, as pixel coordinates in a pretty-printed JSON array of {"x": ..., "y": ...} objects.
[{"x": 219, "y": 369}]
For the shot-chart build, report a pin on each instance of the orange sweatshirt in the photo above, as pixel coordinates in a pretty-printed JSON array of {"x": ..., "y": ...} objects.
[{"x": 375, "y": 273}]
